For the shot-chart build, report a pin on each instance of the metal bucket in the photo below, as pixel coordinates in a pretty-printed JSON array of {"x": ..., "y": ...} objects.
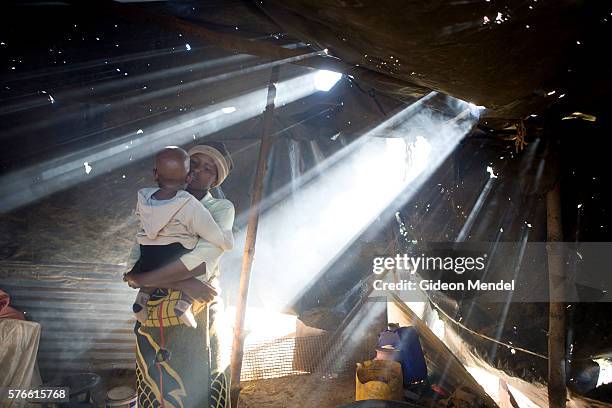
[
  {"x": 389, "y": 354},
  {"x": 121, "y": 397}
]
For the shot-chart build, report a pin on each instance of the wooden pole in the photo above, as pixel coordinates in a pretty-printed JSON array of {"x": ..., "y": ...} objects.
[
  {"x": 251, "y": 235},
  {"x": 556, "y": 286}
]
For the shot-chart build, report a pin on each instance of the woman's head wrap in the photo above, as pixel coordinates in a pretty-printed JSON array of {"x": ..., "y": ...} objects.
[{"x": 223, "y": 164}]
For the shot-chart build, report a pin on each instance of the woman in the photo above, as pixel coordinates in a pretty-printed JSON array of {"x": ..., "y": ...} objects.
[{"x": 174, "y": 360}]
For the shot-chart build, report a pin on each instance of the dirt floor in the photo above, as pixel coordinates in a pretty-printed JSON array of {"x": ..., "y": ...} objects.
[
  {"x": 298, "y": 391},
  {"x": 295, "y": 391},
  {"x": 111, "y": 379}
]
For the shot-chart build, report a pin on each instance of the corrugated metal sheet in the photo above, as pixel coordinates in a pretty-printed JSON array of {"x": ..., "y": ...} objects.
[
  {"x": 84, "y": 310},
  {"x": 87, "y": 324}
]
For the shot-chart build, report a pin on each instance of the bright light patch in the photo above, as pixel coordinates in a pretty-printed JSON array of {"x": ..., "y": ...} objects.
[
  {"x": 325, "y": 80},
  {"x": 521, "y": 399},
  {"x": 264, "y": 324},
  {"x": 228, "y": 109},
  {"x": 438, "y": 329},
  {"x": 580, "y": 115},
  {"x": 328, "y": 213},
  {"x": 188, "y": 47},
  {"x": 605, "y": 371},
  {"x": 491, "y": 384},
  {"x": 264, "y": 328},
  {"x": 476, "y": 109},
  {"x": 488, "y": 381},
  {"x": 87, "y": 168}
]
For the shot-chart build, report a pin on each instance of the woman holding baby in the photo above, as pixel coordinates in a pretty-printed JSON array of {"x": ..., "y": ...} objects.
[{"x": 175, "y": 367}]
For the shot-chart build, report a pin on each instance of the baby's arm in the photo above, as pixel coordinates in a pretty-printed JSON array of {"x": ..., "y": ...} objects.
[{"x": 203, "y": 224}]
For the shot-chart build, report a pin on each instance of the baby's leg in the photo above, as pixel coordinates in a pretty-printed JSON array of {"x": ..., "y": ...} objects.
[
  {"x": 140, "y": 304},
  {"x": 183, "y": 311},
  {"x": 191, "y": 289}
]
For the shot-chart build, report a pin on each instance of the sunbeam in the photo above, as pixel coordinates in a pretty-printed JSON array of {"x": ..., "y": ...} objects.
[
  {"x": 30, "y": 184},
  {"x": 329, "y": 212}
]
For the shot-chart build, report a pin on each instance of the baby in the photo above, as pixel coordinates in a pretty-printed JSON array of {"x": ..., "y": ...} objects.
[{"x": 171, "y": 221}]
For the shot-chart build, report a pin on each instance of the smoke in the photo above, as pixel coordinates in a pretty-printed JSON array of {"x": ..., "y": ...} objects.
[{"x": 299, "y": 238}]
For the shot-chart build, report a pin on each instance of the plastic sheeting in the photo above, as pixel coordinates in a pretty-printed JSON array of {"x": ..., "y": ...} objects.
[
  {"x": 506, "y": 57},
  {"x": 19, "y": 341}
]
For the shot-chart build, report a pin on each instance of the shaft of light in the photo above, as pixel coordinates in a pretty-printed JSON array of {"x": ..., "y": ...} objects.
[
  {"x": 159, "y": 93},
  {"x": 299, "y": 238},
  {"x": 27, "y": 185}
]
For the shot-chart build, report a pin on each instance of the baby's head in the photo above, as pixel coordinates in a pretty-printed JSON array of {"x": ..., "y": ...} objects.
[{"x": 172, "y": 168}]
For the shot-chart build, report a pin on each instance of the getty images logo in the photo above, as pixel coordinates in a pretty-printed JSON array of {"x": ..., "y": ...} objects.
[{"x": 405, "y": 262}]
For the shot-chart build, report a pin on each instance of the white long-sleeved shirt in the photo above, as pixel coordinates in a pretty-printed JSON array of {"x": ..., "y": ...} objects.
[{"x": 223, "y": 212}]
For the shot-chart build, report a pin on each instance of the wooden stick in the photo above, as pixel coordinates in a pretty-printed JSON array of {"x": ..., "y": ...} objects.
[
  {"x": 251, "y": 235},
  {"x": 556, "y": 321}
]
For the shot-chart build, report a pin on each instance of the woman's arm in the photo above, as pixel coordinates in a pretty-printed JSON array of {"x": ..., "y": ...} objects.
[
  {"x": 193, "y": 263},
  {"x": 204, "y": 225},
  {"x": 201, "y": 291},
  {"x": 158, "y": 278}
]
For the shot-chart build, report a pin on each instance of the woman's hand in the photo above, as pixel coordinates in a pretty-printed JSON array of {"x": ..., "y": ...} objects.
[
  {"x": 132, "y": 280},
  {"x": 209, "y": 293},
  {"x": 200, "y": 291}
]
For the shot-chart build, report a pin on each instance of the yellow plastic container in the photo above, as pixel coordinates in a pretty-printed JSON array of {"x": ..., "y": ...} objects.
[{"x": 379, "y": 379}]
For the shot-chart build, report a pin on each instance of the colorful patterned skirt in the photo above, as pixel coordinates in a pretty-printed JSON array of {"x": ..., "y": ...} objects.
[{"x": 172, "y": 360}]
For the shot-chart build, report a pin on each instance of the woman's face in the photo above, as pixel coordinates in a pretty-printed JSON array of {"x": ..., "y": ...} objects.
[{"x": 203, "y": 172}]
